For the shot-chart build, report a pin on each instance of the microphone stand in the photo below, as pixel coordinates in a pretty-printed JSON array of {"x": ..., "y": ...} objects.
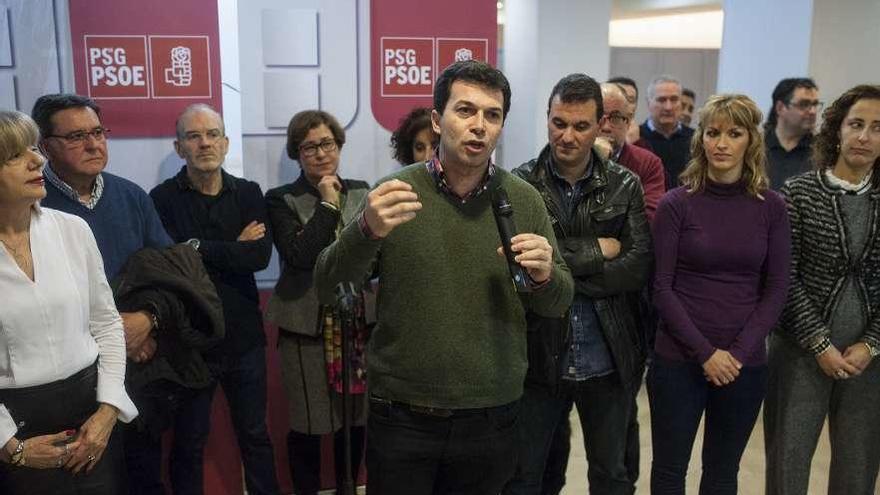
[{"x": 346, "y": 298}]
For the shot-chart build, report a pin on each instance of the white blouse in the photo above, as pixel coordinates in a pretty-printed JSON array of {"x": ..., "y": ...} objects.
[{"x": 58, "y": 324}]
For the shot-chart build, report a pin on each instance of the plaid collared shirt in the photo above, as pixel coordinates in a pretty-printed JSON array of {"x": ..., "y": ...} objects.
[
  {"x": 67, "y": 190},
  {"x": 435, "y": 168}
]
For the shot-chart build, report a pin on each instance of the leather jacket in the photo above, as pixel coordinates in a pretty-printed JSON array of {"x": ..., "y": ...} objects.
[{"x": 613, "y": 206}]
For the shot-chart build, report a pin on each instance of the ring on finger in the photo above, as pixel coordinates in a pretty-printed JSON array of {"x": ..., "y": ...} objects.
[
  {"x": 91, "y": 458},
  {"x": 60, "y": 461},
  {"x": 841, "y": 374}
]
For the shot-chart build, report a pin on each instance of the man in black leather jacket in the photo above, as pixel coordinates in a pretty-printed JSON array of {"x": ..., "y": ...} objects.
[{"x": 594, "y": 357}]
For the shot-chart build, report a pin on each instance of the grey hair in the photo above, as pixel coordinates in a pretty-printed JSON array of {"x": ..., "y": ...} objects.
[
  {"x": 660, "y": 80},
  {"x": 195, "y": 108}
]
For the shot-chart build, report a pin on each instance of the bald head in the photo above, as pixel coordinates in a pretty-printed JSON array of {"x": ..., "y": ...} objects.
[
  {"x": 618, "y": 114},
  {"x": 195, "y": 109},
  {"x": 613, "y": 91}
]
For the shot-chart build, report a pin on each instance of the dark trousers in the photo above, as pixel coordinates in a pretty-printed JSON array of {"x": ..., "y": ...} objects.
[
  {"x": 244, "y": 383},
  {"x": 557, "y": 457},
  {"x": 471, "y": 452},
  {"x": 52, "y": 408},
  {"x": 304, "y": 452},
  {"x": 560, "y": 447},
  {"x": 604, "y": 407},
  {"x": 679, "y": 395}
]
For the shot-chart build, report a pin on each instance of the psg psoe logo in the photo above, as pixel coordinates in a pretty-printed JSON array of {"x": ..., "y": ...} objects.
[
  {"x": 180, "y": 72},
  {"x": 148, "y": 67},
  {"x": 463, "y": 55}
]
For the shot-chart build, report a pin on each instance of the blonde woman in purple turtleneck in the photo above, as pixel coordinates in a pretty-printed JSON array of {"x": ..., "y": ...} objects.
[{"x": 722, "y": 247}]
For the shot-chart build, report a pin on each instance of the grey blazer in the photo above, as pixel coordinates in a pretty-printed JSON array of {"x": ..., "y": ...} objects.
[{"x": 301, "y": 228}]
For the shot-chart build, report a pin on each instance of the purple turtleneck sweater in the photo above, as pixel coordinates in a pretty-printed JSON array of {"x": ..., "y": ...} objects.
[{"x": 722, "y": 272}]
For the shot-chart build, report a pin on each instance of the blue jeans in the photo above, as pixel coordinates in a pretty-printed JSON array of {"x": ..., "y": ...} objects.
[
  {"x": 604, "y": 406},
  {"x": 473, "y": 452},
  {"x": 244, "y": 383},
  {"x": 679, "y": 395}
]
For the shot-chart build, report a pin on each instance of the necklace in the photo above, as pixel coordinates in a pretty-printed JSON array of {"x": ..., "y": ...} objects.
[{"x": 20, "y": 254}]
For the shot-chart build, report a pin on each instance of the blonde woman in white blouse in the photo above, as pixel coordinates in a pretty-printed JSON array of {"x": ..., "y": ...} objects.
[{"x": 62, "y": 349}]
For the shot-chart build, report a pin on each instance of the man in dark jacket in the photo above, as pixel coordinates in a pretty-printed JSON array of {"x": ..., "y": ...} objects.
[
  {"x": 663, "y": 132},
  {"x": 594, "y": 356},
  {"x": 224, "y": 219}
]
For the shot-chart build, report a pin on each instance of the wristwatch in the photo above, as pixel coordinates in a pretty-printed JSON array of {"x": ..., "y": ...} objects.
[
  {"x": 872, "y": 350},
  {"x": 193, "y": 243}
]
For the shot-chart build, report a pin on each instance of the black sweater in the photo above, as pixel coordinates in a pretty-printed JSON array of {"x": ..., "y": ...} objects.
[{"x": 217, "y": 221}]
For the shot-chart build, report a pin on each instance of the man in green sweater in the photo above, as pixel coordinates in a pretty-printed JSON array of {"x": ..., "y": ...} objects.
[{"x": 447, "y": 358}]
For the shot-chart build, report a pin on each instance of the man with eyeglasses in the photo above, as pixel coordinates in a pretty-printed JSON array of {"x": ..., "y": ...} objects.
[
  {"x": 645, "y": 164},
  {"x": 120, "y": 214},
  {"x": 788, "y": 130},
  {"x": 223, "y": 218},
  {"x": 593, "y": 356}
]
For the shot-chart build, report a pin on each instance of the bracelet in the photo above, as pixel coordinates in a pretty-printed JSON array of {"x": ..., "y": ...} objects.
[
  {"x": 873, "y": 351},
  {"x": 819, "y": 345},
  {"x": 330, "y": 205},
  {"x": 155, "y": 321},
  {"x": 17, "y": 457}
]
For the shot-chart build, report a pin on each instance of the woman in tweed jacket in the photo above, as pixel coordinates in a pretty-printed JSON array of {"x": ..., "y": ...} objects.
[
  {"x": 306, "y": 216},
  {"x": 822, "y": 352}
]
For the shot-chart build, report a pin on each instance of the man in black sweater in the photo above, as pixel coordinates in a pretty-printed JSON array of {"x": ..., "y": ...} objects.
[
  {"x": 224, "y": 219},
  {"x": 663, "y": 131}
]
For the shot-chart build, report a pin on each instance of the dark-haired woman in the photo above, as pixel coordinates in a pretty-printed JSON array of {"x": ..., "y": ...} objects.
[
  {"x": 414, "y": 140},
  {"x": 823, "y": 353},
  {"x": 306, "y": 217},
  {"x": 722, "y": 248}
]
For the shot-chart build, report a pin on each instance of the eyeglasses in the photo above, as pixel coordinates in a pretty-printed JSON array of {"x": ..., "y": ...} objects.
[
  {"x": 804, "y": 105},
  {"x": 211, "y": 136},
  {"x": 78, "y": 138},
  {"x": 311, "y": 149},
  {"x": 616, "y": 118}
]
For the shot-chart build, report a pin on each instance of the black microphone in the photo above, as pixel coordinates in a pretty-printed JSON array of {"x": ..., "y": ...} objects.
[{"x": 506, "y": 229}]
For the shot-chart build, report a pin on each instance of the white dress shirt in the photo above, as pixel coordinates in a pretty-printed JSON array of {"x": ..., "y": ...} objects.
[{"x": 58, "y": 324}]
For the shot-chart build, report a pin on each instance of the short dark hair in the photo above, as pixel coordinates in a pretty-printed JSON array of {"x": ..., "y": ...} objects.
[
  {"x": 626, "y": 81},
  {"x": 472, "y": 71},
  {"x": 305, "y": 121},
  {"x": 826, "y": 144},
  {"x": 783, "y": 92},
  {"x": 578, "y": 88},
  {"x": 48, "y": 105},
  {"x": 417, "y": 120},
  {"x": 688, "y": 92}
]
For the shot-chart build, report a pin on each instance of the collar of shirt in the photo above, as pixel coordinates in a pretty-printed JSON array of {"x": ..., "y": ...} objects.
[
  {"x": 615, "y": 155},
  {"x": 588, "y": 172},
  {"x": 435, "y": 168},
  {"x": 773, "y": 141},
  {"x": 184, "y": 182},
  {"x": 857, "y": 189},
  {"x": 70, "y": 192},
  {"x": 654, "y": 128}
]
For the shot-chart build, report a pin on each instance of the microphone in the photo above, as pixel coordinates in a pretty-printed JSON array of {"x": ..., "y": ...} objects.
[
  {"x": 345, "y": 296},
  {"x": 506, "y": 229}
]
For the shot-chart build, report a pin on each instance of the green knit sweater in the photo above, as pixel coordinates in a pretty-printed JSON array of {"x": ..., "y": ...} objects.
[{"x": 451, "y": 329}]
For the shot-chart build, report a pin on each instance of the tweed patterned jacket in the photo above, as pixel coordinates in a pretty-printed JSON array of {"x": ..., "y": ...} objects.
[{"x": 820, "y": 262}]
